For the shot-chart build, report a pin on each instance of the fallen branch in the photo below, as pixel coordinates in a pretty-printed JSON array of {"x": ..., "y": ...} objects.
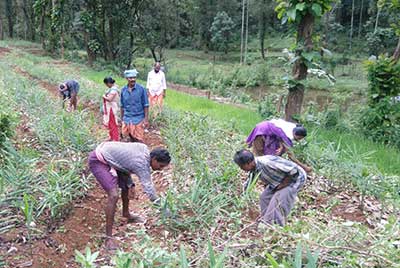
[{"x": 226, "y": 242}]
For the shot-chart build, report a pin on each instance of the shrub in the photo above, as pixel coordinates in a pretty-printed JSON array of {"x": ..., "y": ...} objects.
[
  {"x": 5, "y": 127},
  {"x": 380, "y": 121},
  {"x": 380, "y": 40}
]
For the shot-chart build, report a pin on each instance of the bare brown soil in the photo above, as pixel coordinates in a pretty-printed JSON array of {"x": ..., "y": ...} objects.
[
  {"x": 4, "y": 50},
  {"x": 85, "y": 225}
]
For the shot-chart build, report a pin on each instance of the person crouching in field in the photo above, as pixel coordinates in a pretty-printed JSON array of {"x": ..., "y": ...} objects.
[
  {"x": 69, "y": 90},
  {"x": 156, "y": 86},
  {"x": 134, "y": 108},
  {"x": 112, "y": 163},
  {"x": 274, "y": 137},
  {"x": 283, "y": 180},
  {"x": 111, "y": 108}
]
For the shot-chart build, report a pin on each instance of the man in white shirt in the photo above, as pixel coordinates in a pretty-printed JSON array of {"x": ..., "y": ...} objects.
[{"x": 156, "y": 86}]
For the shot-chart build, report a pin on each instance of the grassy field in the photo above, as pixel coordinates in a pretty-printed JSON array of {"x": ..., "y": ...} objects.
[
  {"x": 241, "y": 118},
  {"x": 205, "y": 191}
]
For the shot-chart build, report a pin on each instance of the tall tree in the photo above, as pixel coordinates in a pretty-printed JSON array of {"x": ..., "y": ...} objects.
[
  {"x": 222, "y": 31},
  {"x": 360, "y": 22},
  {"x": 10, "y": 13},
  {"x": 351, "y": 26},
  {"x": 263, "y": 26},
  {"x": 303, "y": 15}
]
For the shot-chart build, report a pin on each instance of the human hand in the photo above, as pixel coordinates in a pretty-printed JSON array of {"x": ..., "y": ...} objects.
[
  {"x": 146, "y": 123},
  {"x": 307, "y": 169},
  {"x": 279, "y": 151}
]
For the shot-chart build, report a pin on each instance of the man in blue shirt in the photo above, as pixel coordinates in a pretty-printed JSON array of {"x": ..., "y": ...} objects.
[{"x": 134, "y": 108}]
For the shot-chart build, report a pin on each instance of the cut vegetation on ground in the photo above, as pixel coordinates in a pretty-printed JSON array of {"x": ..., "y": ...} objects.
[{"x": 347, "y": 215}]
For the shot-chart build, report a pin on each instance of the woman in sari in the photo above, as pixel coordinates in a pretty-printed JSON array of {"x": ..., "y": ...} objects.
[
  {"x": 269, "y": 139},
  {"x": 111, "y": 108}
]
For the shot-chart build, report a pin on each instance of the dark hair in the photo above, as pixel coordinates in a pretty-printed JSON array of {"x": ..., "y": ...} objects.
[
  {"x": 299, "y": 130},
  {"x": 243, "y": 157},
  {"x": 61, "y": 86},
  {"x": 109, "y": 80},
  {"x": 161, "y": 155}
]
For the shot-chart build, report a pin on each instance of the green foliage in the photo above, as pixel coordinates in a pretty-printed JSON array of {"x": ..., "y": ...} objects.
[
  {"x": 384, "y": 79},
  {"x": 5, "y": 127},
  {"x": 294, "y": 10},
  {"x": 267, "y": 107},
  {"x": 7, "y": 117},
  {"x": 297, "y": 262},
  {"x": 380, "y": 41},
  {"x": 215, "y": 261},
  {"x": 222, "y": 31},
  {"x": 88, "y": 260},
  {"x": 380, "y": 121},
  {"x": 39, "y": 169},
  {"x": 195, "y": 157}
]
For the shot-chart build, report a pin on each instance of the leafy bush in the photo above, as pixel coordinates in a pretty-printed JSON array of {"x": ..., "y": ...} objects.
[
  {"x": 380, "y": 121},
  {"x": 267, "y": 107},
  {"x": 5, "y": 127},
  {"x": 380, "y": 40}
]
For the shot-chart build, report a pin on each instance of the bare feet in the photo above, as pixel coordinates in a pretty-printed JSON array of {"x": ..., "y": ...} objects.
[
  {"x": 133, "y": 218},
  {"x": 111, "y": 244}
]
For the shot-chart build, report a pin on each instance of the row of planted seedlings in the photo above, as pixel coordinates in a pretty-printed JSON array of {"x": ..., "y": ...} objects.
[
  {"x": 208, "y": 206},
  {"x": 326, "y": 157},
  {"x": 55, "y": 71},
  {"x": 213, "y": 221},
  {"x": 42, "y": 174}
]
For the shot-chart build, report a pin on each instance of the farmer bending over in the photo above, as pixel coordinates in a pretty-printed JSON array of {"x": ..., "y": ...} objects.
[
  {"x": 112, "y": 163},
  {"x": 283, "y": 180},
  {"x": 69, "y": 90},
  {"x": 274, "y": 137}
]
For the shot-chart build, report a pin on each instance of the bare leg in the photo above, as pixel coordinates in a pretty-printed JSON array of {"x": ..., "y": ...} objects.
[
  {"x": 74, "y": 101},
  {"x": 258, "y": 146},
  {"x": 125, "y": 208},
  {"x": 110, "y": 212}
]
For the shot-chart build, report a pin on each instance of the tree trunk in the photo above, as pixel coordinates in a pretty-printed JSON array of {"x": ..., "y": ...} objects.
[
  {"x": 28, "y": 23},
  {"x": 89, "y": 52},
  {"x": 396, "y": 54},
  {"x": 351, "y": 25},
  {"x": 263, "y": 26},
  {"x": 111, "y": 38},
  {"x": 247, "y": 31},
  {"x": 10, "y": 17},
  {"x": 242, "y": 34},
  {"x": 153, "y": 53},
  {"x": 62, "y": 43},
  {"x": 377, "y": 19},
  {"x": 1, "y": 28},
  {"x": 361, "y": 18},
  {"x": 296, "y": 94},
  {"x": 131, "y": 44},
  {"x": 294, "y": 102},
  {"x": 42, "y": 25}
]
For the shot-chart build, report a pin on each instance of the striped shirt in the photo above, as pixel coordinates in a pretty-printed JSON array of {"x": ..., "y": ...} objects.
[
  {"x": 273, "y": 169},
  {"x": 131, "y": 158}
]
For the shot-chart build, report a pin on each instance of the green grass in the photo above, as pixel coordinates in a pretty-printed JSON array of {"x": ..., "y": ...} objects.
[{"x": 386, "y": 159}]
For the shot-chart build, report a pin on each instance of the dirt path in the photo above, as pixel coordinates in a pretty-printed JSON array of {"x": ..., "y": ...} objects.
[{"x": 85, "y": 225}]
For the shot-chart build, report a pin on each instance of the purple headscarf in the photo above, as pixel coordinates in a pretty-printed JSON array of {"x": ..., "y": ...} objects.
[{"x": 273, "y": 136}]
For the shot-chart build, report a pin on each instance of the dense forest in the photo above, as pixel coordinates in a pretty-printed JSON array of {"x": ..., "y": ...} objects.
[{"x": 119, "y": 30}]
